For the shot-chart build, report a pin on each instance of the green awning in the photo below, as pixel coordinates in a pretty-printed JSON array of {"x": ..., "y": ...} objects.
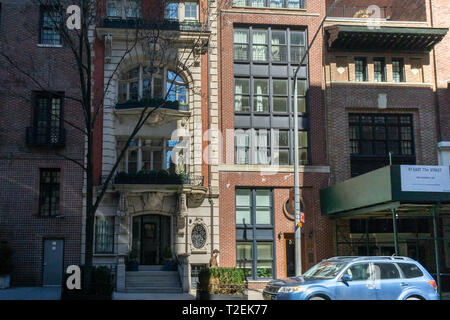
[
  {"x": 376, "y": 193},
  {"x": 366, "y": 38}
]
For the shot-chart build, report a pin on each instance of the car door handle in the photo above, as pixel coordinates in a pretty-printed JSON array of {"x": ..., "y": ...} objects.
[{"x": 403, "y": 284}]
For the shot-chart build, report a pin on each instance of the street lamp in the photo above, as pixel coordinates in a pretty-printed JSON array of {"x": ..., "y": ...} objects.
[{"x": 298, "y": 250}]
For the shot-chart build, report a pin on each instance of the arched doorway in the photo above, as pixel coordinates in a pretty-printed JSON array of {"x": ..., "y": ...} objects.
[{"x": 151, "y": 238}]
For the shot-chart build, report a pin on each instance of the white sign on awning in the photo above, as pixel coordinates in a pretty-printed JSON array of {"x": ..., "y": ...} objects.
[{"x": 425, "y": 178}]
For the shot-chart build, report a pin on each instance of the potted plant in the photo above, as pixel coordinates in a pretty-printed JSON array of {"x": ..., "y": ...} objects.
[
  {"x": 6, "y": 265},
  {"x": 169, "y": 263},
  {"x": 132, "y": 262}
]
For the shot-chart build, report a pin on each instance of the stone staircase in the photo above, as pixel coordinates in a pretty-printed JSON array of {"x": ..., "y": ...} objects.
[{"x": 152, "y": 279}]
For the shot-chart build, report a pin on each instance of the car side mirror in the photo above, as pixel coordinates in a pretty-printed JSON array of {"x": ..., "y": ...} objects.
[{"x": 346, "y": 278}]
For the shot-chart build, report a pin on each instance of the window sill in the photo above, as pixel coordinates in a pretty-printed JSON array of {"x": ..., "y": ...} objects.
[
  {"x": 372, "y": 83},
  {"x": 269, "y": 8},
  {"x": 41, "y": 45}
]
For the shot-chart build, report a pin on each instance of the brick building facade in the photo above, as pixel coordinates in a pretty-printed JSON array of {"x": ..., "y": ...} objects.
[{"x": 41, "y": 192}]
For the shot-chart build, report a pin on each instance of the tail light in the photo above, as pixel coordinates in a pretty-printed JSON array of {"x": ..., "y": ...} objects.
[{"x": 433, "y": 284}]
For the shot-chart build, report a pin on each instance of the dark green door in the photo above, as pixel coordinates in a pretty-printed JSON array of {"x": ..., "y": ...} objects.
[{"x": 151, "y": 237}]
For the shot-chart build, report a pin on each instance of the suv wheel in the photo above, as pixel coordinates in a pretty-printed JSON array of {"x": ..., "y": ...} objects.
[{"x": 317, "y": 298}]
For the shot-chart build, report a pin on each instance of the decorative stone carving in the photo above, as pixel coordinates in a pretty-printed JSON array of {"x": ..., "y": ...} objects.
[
  {"x": 122, "y": 208},
  {"x": 195, "y": 199},
  {"x": 198, "y": 236},
  {"x": 153, "y": 201},
  {"x": 182, "y": 203}
]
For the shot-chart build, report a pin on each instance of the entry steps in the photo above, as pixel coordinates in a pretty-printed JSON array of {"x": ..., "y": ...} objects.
[{"x": 152, "y": 279}]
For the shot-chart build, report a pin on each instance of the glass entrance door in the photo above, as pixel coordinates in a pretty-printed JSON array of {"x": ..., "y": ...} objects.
[{"x": 151, "y": 238}]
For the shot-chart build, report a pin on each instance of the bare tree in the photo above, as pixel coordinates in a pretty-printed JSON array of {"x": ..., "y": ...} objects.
[{"x": 157, "y": 38}]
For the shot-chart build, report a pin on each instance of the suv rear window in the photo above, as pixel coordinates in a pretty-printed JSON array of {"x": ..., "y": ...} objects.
[{"x": 410, "y": 270}]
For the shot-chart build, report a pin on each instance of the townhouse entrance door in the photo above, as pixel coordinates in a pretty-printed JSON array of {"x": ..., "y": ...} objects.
[{"x": 151, "y": 238}]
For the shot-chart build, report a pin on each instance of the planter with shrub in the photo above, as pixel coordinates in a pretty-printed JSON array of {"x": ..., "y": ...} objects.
[
  {"x": 169, "y": 263},
  {"x": 222, "y": 284},
  {"x": 132, "y": 263},
  {"x": 102, "y": 286},
  {"x": 6, "y": 265}
]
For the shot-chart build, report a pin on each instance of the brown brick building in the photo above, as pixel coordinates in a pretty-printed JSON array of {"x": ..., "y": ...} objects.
[
  {"x": 369, "y": 90},
  {"x": 260, "y": 48},
  {"x": 41, "y": 192},
  {"x": 385, "y": 104}
]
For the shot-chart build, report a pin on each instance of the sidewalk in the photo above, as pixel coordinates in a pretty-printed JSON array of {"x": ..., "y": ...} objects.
[
  {"x": 152, "y": 296},
  {"x": 31, "y": 293}
]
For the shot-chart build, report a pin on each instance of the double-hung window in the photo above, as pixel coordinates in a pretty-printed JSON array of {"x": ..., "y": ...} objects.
[
  {"x": 379, "y": 65},
  {"x": 398, "y": 70},
  {"x": 279, "y": 45},
  {"x": 50, "y": 24},
  {"x": 254, "y": 232},
  {"x": 49, "y": 192},
  {"x": 291, "y": 4},
  {"x": 261, "y": 95},
  {"x": 241, "y": 47},
  {"x": 171, "y": 11},
  {"x": 190, "y": 11},
  {"x": 259, "y": 41},
  {"x": 47, "y": 118},
  {"x": 360, "y": 69},
  {"x": 242, "y": 95},
  {"x": 297, "y": 46},
  {"x": 104, "y": 234}
]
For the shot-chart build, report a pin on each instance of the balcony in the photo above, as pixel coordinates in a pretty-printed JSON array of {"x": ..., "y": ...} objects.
[
  {"x": 152, "y": 103},
  {"x": 46, "y": 137},
  {"x": 162, "y": 177},
  {"x": 138, "y": 23}
]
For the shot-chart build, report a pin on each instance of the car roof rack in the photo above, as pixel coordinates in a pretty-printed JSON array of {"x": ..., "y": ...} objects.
[{"x": 357, "y": 258}]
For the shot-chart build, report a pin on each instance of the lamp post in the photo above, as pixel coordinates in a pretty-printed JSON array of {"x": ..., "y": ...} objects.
[{"x": 298, "y": 250}]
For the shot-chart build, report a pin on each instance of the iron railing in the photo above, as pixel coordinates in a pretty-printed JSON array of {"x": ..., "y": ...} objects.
[
  {"x": 157, "y": 178},
  {"x": 46, "y": 137},
  {"x": 138, "y": 23},
  {"x": 345, "y": 11}
]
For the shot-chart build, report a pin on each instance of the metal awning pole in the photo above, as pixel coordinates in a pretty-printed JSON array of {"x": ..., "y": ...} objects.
[
  {"x": 394, "y": 223},
  {"x": 436, "y": 248},
  {"x": 336, "y": 236}
]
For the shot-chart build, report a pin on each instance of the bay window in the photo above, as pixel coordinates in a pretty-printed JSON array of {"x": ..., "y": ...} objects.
[
  {"x": 147, "y": 154},
  {"x": 144, "y": 82},
  {"x": 123, "y": 8}
]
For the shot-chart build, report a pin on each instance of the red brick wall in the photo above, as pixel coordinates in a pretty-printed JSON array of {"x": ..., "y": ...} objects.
[
  {"x": 441, "y": 14},
  {"x": 344, "y": 98},
  {"x": 20, "y": 164},
  {"x": 320, "y": 245}
]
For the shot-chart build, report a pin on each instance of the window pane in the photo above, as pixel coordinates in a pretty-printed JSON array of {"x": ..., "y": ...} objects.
[
  {"x": 171, "y": 11},
  {"x": 190, "y": 11},
  {"x": 244, "y": 251},
  {"x": 263, "y": 198},
  {"x": 282, "y": 138},
  {"x": 243, "y": 216},
  {"x": 243, "y": 197},
  {"x": 261, "y": 86},
  {"x": 276, "y": 3},
  {"x": 104, "y": 234},
  {"x": 263, "y": 216},
  {"x": 303, "y": 139},
  {"x": 281, "y": 157},
  {"x": 239, "y": 3},
  {"x": 280, "y": 87},
  {"x": 385, "y": 271},
  {"x": 294, "y": 4},
  {"x": 265, "y": 269},
  {"x": 264, "y": 250},
  {"x": 410, "y": 270},
  {"x": 279, "y": 104},
  {"x": 278, "y": 37},
  {"x": 359, "y": 272},
  {"x": 257, "y": 3},
  {"x": 297, "y": 38}
]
